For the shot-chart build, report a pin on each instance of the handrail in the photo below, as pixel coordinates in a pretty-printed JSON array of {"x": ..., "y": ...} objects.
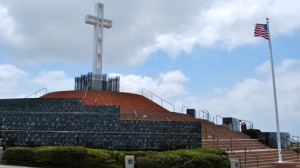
[
  {"x": 204, "y": 113},
  {"x": 292, "y": 141},
  {"x": 218, "y": 140},
  {"x": 248, "y": 123},
  {"x": 161, "y": 99},
  {"x": 36, "y": 92},
  {"x": 245, "y": 148},
  {"x": 87, "y": 88},
  {"x": 145, "y": 116},
  {"x": 289, "y": 148},
  {"x": 217, "y": 119},
  {"x": 182, "y": 108},
  {"x": 234, "y": 122},
  {"x": 297, "y": 141},
  {"x": 262, "y": 138}
]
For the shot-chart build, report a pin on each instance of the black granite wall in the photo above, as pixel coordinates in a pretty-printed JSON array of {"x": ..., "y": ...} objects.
[{"x": 37, "y": 122}]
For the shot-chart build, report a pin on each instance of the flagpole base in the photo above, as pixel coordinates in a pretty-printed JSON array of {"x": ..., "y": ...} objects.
[{"x": 284, "y": 165}]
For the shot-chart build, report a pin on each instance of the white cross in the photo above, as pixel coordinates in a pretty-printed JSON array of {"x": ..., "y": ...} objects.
[{"x": 99, "y": 22}]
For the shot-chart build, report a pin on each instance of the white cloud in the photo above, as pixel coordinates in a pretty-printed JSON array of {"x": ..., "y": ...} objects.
[
  {"x": 263, "y": 68},
  {"x": 54, "y": 80},
  {"x": 52, "y": 32},
  {"x": 16, "y": 82},
  {"x": 7, "y": 27},
  {"x": 225, "y": 24},
  {"x": 252, "y": 99},
  {"x": 11, "y": 77},
  {"x": 167, "y": 85}
]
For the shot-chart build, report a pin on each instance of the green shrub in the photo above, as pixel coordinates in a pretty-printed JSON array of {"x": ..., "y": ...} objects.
[
  {"x": 85, "y": 157},
  {"x": 44, "y": 155},
  {"x": 158, "y": 160},
  {"x": 69, "y": 156},
  {"x": 190, "y": 158},
  {"x": 99, "y": 158},
  {"x": 19, "y": 156}
]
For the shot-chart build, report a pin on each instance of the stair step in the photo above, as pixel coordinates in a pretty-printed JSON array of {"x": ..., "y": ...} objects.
[{"x": 221, "y": 137}]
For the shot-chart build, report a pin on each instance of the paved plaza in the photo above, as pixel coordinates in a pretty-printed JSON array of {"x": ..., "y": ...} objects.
[{"x": 11, "y": 166}]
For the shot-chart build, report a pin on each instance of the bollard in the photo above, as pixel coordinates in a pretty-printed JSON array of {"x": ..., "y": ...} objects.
[
  {"x": 1, "y": 155},
  {"x": 129, "y": 161}
]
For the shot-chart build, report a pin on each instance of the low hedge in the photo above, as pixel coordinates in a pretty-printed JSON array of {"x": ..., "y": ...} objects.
[{"x": 85, "y": 157}]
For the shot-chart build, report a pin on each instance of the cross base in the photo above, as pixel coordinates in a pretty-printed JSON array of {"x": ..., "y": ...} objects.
[{"x": 92, "y": 81}]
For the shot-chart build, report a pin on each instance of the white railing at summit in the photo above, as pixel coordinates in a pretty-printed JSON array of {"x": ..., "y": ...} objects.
[
  {"x": 35, "y": 93},
  {"x": 205, "y": 115},
  {"x": 161, "y": 100},
  {"x": 182, "y": 110}
]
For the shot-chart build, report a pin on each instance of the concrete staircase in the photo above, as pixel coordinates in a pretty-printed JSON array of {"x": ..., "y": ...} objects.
[{"x": 239, "y": 146}]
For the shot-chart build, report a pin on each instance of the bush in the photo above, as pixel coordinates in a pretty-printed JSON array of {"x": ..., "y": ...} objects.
[
  {"x": 190, "y": 158},
  {"x": 85, "y": 157},
  {"x": 99, "y": 158},
  {"x": 19, "y": 156},
  {"x": 68, "y": 156}
]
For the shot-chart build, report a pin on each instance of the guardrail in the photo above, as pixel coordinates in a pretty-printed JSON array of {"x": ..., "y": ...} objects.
[
  {"x": 36, "y": 92},
  {"x": 205, "y": 115},
  {"x": 248, "y": 123},
  {"x": 137, "y": 115},
  {"x": 182, "y": 110},
  {"x": 245, "y": 149},
  {"x": 297, "y": 142},
  {"x": 288, "y": 140},
  {"x": 161, "y": 99},
  {"x": 216, "y": 138}
]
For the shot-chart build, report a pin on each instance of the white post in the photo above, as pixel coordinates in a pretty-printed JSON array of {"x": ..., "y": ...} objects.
[
  {"x": 1, "y": 155},
  {"x": 275, "y": 98}
]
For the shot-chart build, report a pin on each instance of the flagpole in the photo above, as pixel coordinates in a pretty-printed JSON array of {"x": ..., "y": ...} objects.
[{"x": 275, "y": 97}]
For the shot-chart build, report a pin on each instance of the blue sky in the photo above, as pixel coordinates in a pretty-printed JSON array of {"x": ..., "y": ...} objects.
[{"x": 201, "y": 54}]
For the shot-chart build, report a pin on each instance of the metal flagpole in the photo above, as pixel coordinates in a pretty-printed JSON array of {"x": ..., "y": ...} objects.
[{"x": 275, "y": 97}]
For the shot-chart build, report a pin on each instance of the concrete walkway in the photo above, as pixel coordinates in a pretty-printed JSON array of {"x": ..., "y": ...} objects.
[{"x": 11, "y": 166}]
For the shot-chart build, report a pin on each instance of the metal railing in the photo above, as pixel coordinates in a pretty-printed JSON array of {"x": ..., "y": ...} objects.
[
  {"x": 245, "y": 149},
  {"x": 87, "y": 88},
  {"x": 205, "y": 115},
  {"x": 218, "y": 116},
  {"x": 182, "y": 110},
  {"x": 249, "y": 124},
  {"x": 162, "y": 101},
  {"x": 142, "y": 115},
  {"x": 216, "y": 142},
  {"x": 289, "y": 141},
  {"x": 297, "y": 142},
  {"x": 35, "y": 93},
  {"x": 225, "y": 125}
]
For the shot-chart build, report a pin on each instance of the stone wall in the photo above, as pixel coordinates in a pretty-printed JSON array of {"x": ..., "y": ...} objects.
[{"x": 38, "y": 122}]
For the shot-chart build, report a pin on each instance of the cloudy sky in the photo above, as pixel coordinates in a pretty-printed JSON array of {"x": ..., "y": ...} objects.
[{"x": 201, "y": 54}]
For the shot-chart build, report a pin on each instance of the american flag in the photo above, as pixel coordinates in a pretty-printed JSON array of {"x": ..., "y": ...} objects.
[{"x": 261, "y": 30}]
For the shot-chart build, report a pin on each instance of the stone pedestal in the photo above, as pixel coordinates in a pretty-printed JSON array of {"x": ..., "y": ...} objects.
[{"x": 284, "y": 165}]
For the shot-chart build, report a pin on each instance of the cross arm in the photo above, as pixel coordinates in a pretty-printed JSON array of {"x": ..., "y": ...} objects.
[{"x": 89, "y": 19}]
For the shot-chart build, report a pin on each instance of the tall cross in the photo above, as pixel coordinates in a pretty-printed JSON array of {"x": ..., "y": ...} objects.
[{"x": 99, "y": 22}]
